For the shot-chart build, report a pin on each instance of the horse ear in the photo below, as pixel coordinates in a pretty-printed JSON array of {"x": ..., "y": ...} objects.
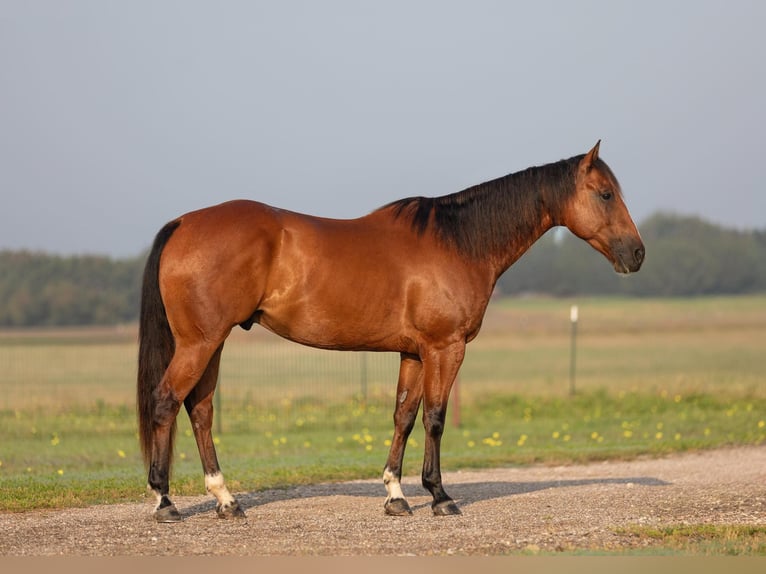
[{"x": 587, "y": 162}]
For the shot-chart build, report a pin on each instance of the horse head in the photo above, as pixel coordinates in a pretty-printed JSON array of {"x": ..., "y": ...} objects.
[{"x": 597, "y": 214}]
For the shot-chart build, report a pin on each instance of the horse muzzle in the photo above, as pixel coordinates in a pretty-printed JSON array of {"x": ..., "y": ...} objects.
[{"x": 628, "y": 256}]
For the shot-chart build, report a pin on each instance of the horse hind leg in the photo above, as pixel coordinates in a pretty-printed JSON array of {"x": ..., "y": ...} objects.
[
  {"x": 199, "y": 406},
  {"x": 163, "y": 435},
  {"x": 183, "y": 373}
]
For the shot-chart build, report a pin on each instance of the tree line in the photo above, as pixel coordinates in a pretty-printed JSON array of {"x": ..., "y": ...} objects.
[
  {"x": 38, "y": 289},
  {"x": 686, "y": 256}
]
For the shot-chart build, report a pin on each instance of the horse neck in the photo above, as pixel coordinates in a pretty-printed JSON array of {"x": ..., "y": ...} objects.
[
  {"x": 492, "y": 224},
  {"x": 516, "y": 210},
  {"x": 504, "y": 258}
]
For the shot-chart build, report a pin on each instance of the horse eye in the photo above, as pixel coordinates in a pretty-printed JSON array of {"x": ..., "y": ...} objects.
[{"x": 606, "y": 195}]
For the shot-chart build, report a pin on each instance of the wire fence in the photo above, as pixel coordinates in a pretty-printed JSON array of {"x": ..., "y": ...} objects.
[
  {"x": 78, "y": 369},
  {"x": 275, "y": 369}
]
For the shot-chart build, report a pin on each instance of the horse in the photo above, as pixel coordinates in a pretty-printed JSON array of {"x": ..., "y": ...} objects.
[{"x": 413, "y": 277}]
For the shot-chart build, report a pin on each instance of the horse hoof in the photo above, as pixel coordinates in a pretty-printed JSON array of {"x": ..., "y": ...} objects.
[
  {"x": 232, "y": 510},
  {"x": 397, "y": 507},
  {"x": 445, "y": 508},
  {"x": 167, "y": 514}
]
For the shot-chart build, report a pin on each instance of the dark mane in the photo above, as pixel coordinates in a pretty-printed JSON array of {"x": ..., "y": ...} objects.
[{"x": 486, "y": 217}]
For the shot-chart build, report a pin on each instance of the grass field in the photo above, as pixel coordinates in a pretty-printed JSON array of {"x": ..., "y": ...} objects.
[{"x": 653, "y": 376}]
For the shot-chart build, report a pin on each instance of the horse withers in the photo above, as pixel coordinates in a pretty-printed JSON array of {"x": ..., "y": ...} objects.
[{"x": 413, "y": 277}]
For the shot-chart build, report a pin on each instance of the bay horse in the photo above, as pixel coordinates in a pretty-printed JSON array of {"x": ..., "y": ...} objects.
[{"x": 413, "y": 277}]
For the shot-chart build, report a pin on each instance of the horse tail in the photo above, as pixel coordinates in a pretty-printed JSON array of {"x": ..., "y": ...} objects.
[{"x": 155, "y": 343}]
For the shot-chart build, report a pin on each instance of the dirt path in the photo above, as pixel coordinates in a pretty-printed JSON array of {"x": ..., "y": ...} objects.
[{"x": 504, "y": 510}]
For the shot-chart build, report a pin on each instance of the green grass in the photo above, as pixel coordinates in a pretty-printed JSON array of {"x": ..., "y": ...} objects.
[
  {"x": 653, "y": 376},
  {"x": 91, "y": 456},
  {"x": 699, "y": 540}
]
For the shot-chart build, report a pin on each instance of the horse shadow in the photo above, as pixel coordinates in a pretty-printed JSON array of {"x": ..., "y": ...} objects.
[{"x": 465, "y": 494}]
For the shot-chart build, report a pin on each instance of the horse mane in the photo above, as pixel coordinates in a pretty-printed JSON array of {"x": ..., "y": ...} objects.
[{"x": 489, "y": 216}]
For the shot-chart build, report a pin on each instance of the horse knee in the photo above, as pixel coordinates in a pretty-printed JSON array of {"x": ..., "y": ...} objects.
[
  {"x": 434, "y": 423},
  {"x": 404, "y": 422}
]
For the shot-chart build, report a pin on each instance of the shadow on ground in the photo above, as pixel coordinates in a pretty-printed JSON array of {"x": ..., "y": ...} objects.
[{"x": 465, "y": 494}]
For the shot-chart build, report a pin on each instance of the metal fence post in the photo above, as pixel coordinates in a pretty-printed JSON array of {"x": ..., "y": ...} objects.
[
  {"x": 363, "y": 377},
  {"x": 573, "y": 317},
  {"x": 217, "y": 409}
]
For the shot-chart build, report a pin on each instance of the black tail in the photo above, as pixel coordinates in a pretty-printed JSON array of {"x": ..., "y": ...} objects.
[{"x": 155, "y": 343}]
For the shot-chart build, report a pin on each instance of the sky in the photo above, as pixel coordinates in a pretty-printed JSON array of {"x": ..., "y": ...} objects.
[{"x": 116, "y": 117}]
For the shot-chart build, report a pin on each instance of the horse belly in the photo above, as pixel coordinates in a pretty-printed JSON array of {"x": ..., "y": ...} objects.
[{"x": 337, "y": 318}]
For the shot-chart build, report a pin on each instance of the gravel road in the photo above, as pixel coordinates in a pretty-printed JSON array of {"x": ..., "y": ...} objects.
[{"x": 536, "y": 508}]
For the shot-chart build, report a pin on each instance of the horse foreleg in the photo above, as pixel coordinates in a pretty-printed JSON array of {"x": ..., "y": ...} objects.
[
  {"x": 199, "y": 405},
  {"x": 409, "y": 393},
  {"x": 440, "y": 371}
]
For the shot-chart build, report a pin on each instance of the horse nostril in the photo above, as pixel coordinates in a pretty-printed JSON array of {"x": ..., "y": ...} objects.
[{"x": 639, "y": 254}]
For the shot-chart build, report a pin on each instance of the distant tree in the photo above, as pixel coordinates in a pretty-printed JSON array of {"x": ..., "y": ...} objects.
[{"x": 37, "y": 289}]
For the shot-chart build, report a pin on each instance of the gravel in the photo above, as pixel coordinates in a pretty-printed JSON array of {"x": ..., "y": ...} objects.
[{"x": 530, "y": 509}]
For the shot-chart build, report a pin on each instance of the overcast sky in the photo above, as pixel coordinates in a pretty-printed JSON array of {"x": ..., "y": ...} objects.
[{"x": 118, "y": 116}]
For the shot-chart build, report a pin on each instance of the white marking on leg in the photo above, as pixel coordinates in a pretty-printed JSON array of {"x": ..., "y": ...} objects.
[
  {"x": 215, "y": 486},
  {"x": 393, "y": 486},
  {"x": 157, "y": 495}
]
